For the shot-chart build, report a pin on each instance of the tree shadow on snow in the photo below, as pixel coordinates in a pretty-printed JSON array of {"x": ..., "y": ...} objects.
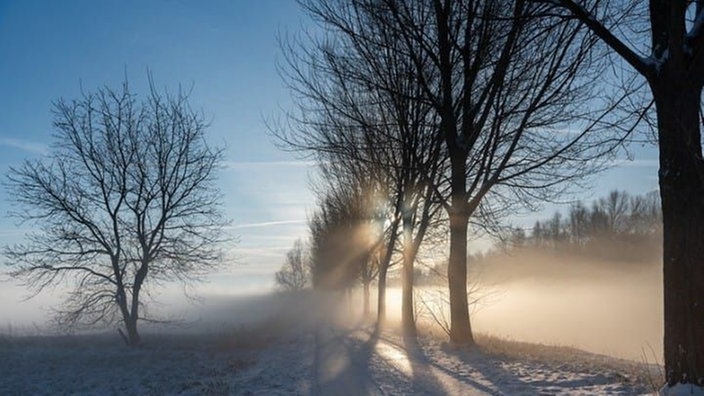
[
  {"x": 498, "y": 380},
  {"x": 341, "y": 365},
  {"x": 424, "y": 377}
]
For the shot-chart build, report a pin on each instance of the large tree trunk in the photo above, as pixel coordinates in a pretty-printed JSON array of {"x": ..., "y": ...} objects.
[
  {"x": 681, "y": 179},
  {"x": 133, "y": 339},
  {"x": 129, "y": 318},
  {"x": 460, "y": 328},
  {"x": 407, "y": 312}
]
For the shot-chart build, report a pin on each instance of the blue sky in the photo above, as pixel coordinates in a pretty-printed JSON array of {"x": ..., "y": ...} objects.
[{"x": 227, "y": 51}]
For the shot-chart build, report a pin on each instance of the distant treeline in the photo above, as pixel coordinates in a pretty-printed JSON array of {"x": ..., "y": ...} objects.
[{"x": 619, "y": 226}]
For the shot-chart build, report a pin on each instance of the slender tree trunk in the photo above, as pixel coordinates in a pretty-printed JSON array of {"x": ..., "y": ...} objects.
[
  {"x": 460, "y": 328},
  {"x": 407, "y": 320},
  {"x": 681, "y": 179},
  {"x": 381, "y": 297},
  {"x": 347, "y": 295},
  {"x": 383, "y": 270},
  {"x": 131, "y": 321},
  {"x": 366, "y": 299}
]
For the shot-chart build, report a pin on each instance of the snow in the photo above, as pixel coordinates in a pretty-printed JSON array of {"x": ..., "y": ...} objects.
[
  {"x": 296, "y": 348},
  {"x": 682, "y": 390},
  {"x": 656, "y": 62},
  {"x": 697, "y": 26}
]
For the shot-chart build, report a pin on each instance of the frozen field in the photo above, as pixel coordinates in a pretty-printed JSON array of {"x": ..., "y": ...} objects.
[{"x": 291, "y": 347}]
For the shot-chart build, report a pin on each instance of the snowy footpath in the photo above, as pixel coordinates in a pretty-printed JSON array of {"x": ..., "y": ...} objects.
[
  {"x": 355, "y": 362},
  {"x": 286, "y": 354}
]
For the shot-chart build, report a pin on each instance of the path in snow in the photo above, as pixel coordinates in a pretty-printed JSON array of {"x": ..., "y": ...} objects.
[{"x": 356, "y": 362}]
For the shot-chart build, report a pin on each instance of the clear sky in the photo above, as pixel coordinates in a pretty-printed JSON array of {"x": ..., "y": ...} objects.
[{"x": 227, "y": 50}]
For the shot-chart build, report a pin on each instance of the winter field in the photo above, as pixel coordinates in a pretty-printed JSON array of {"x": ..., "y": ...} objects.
[{"x": 291, "y": 344}]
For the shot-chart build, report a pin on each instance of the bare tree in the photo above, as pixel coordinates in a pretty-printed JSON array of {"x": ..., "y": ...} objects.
[
  {"x": 616, "y": 206},
  {"x": 295, "y": 272},
  {"x": 126, "y": 199},
  {"x": 673, "y": 66},
  {"x": 341, "y": 241},
  {"x": 504, "y": 87},
  {"x": 358, "y": 105}
]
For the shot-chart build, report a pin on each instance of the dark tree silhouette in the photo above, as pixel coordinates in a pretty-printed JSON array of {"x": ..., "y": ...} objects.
[
  {"x": 501, "y": 85},
  {"x": 358, "y": 110},
  {"x": 673, "y": 66},
  {"x": 126, "y": 199},
  {"x": 498, "y": 87}
]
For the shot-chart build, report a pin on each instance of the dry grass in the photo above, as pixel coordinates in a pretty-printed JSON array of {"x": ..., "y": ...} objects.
[{"x": 642, "y": 373}]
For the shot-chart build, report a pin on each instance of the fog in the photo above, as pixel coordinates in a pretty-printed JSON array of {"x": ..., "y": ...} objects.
[
  {"x": 612, "y": 308},
  {"x": 607, "y": 307},
  {"x": 19, "y": 314},
  {"x": 619, "y": 316},
  {"x": 202, "y": 311},
  {"x": 208, "y": 307}
]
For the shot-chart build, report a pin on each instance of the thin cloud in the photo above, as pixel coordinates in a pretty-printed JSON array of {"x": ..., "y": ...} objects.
[
  {"x": 237, "y": 165},
  {"x": 258, "y": 253},
  {"x": 25, "y": 145},
  {"x": 267, "y": 224},
  {"x": 254, "y": 238},
  {"x": 261, "y": 250}
]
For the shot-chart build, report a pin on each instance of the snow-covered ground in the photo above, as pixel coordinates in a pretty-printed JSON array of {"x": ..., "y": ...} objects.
[{"x": 288, "y": 345}]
